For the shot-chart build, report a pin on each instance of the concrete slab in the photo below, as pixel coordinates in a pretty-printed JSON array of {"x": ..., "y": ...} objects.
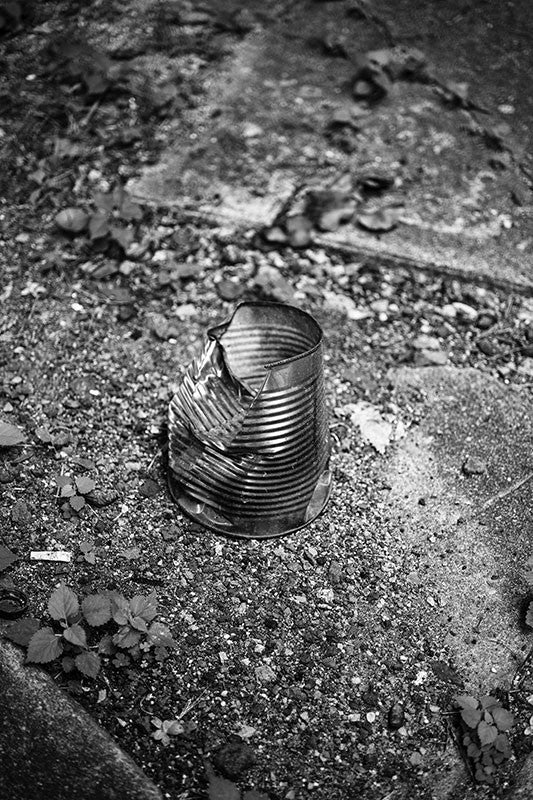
[
  {"x": 50, "y": 747},
  {"x": 261, "y": 130}
]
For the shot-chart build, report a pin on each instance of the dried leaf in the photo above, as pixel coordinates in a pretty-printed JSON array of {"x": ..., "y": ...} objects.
[
  {"x": 22, "y": 630},
  {"x": 122, "y": 236},
  {"x": 96, "y": 609},
  {"x": 6, "y": 558},
  {"x": 72, "y": 220},
  {"x": 44, "y": 646},
  {"x": 44, "y": 435},
  {"x": 10, "y": 435},
  {"x": 63, "y": 603},
  {"x": 374, "y": 429},
  {"x": 130, "y": 553},
  {"x": 379, "y": 220},
  {"x": 88, "y": 663},
  {"x": 98, "y": 225},
  {"x": 75, "y": 635}
]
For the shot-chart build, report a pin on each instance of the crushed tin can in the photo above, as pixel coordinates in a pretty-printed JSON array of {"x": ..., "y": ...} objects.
[{"x": 249, "y": 442}]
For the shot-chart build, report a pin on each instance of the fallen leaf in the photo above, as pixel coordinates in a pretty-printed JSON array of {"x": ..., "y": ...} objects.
[
  {"x": 22, "y": 631},
  {"x": 379, "y": 220},
  {"x": 72, "y": 220},
  {"x": 10, "y": 435},
  {"x": 374, "y": 429},
  {"x": 6, "y": 558}
]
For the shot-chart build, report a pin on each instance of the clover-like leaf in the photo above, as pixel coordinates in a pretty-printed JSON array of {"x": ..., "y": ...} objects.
[
  {"x": 88, "y": 663},
  {"x": 77, "y": 502},
  {"x": 43, "y": 647},
  {"x": 96, "y": 609},
  {"x": 63, "y": 603}
]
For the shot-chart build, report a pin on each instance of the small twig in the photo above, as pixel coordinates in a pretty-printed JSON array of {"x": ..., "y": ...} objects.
[
  {"x": 521, "y": 667},
  {"x": 190, "y": 704},
  {"x": 505, "y": 492}
]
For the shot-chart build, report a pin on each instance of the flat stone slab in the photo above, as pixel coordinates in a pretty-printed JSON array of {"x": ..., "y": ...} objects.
[
  {"x": 466, "y": 534},
  {"x": 51, "y": 748},
  {"x": 263, "y": 128}
]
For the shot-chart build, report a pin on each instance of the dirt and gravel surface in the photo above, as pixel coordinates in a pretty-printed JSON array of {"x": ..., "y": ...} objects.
[{"x": 314, "y": 665}]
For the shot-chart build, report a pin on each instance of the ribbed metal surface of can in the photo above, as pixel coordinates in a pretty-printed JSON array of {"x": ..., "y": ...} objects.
[{"x": 249, "y": 441}]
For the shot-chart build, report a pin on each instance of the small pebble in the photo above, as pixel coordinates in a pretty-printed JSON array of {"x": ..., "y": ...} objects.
[{"x": 474, "y": 466}]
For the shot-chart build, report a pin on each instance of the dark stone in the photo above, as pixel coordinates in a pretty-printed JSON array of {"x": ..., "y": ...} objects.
[
  {"x": 233, "y": 758},
  {"x": 20, "y": 513},
  {"x": 396, "y": 716}
]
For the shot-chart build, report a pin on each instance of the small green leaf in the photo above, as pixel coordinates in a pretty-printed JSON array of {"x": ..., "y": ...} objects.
[
  {"x": 96, "y": 609},
  {"x": 76, "y": 635},
  {"x": 126, "y": 637},
  {"x": 67, "y": 490},
  {"x": 471, "y": 717},
  {"x": 44, "y": 646},
  {"x": 502, "y": 744},
  {"x": 88, "y": 663},
  {"x": 466, "y": 701},
  {"x": 85, "y": 485},
  {"x": 63, "y": 603},
  {"x": 77, "y": 502},
  {"x": 160, "y": 635},
  {"x": 138, "y": 623},
  {"x": 22, "y": 630},
  {"x": 106, "y": 646},
  {"x": 473, "y": 751},
  {"x": 488, "y": 702},
  {"x": 119, "y": 608},
  {"x": 528, "y": 576},
  {"x": 486, "y": 733},
  {"x": 145, "y": 607},
  {"x": 10, "y": 435}
]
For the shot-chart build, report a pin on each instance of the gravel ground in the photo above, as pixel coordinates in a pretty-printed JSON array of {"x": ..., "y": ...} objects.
[{"x": 301, "y": 645}]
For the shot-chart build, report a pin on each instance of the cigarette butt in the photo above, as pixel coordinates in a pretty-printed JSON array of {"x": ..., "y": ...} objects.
[{"x": 50, "y": 555}]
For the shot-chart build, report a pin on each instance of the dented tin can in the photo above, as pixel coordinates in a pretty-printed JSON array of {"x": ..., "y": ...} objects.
[{"x": 249, "y": 442}]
